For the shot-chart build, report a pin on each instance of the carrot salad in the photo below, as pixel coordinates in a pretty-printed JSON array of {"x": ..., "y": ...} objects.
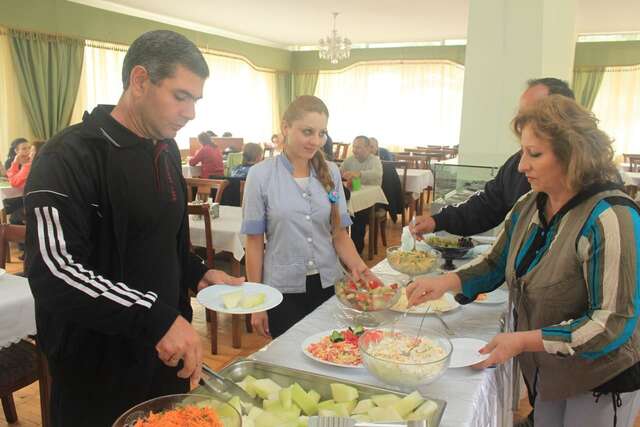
[
  {"x": 342, "y": 351},
  {"x": 189, "y": 416}
]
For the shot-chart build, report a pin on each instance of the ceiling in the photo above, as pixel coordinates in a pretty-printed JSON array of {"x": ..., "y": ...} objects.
[{"x": 294, "y": 23}]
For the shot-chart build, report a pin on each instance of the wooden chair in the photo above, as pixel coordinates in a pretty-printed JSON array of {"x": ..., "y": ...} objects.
[
  {"x": 212, "y": 316},
  {"x": 204, "y": 186},
  {"x": 415, "y": 161},
  {"x": 633, "y": 160},
  {"x": 22, "y": 363},
  {"x": 340, "y": 150}
]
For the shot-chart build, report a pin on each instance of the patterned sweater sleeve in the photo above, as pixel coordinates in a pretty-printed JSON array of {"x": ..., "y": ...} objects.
[
  {"x": 487, "y": 272},
  {"x": 608, "y": 249}
]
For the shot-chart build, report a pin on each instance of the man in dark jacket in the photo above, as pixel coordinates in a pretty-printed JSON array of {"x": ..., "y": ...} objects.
[
  {"x": 487, "y": 209},
  {"x": 108, "y": 255}
]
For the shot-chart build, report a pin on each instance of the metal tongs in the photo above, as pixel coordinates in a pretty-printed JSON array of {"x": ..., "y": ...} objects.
[{"x": 223, "y": 388}]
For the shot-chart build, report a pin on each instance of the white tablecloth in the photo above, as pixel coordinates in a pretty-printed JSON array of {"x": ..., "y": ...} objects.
[
  {"x": 474, "y": 398},
  {"x": 17, "y": 310},
  {"x": 367, "y": 196},
  {"x": 418, "y": 180},
  {"x": 10, "y": 193},
  {"x": 226, "y": 231},
  {"x": 631, "y": 178},
  {"x": 191, "y": 171}
]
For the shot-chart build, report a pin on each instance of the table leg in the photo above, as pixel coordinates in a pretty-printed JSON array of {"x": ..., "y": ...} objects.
[
  {"x": 45, "y": 388},
  {"x": 372, "y": 224},
  {"x": 236, "y": 330}
]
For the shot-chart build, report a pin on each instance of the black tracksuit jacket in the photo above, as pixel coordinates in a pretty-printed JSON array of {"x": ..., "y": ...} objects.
[{"x": 109, "y": 265}]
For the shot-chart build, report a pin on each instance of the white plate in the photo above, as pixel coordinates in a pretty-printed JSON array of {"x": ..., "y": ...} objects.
[
  {"x": 496, "y": 297},
  {"x": 317, "y": 338},
  {"x": 465, "y": 352},
  {"x": 211, "y": 297},
  {"x": 2, "y": 271},
  {"x": 424, "y": 307}
]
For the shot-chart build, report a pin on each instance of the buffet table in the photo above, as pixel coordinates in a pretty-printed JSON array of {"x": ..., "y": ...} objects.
[{"x": 474, "y": 398}]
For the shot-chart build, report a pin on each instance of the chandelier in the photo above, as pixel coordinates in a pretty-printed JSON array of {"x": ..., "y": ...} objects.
[{"x": 334, "y": 48}]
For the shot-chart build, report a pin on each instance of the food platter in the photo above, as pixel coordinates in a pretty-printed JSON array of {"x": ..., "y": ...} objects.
[
  {"x": 335, "y": 354},
  {"x": 442, "y": 305},
  {"x": 212, "y": 297}
]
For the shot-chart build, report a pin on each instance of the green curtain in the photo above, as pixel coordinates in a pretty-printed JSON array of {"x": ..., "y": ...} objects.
[
  {"x": 304, "y": 83},
  {"x": 48, "y": 70},
  {"x": 283, "y": 92},
  {"x": 586, "y": 83}
]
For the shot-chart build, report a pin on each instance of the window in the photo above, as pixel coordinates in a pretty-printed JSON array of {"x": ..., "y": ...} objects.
[
  {"x": 236, "y": 98},
  {"x": 403, "y": 104},
  {"x": 617, "y": 105}
]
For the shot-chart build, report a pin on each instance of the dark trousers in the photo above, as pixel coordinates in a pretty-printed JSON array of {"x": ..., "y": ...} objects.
[
  {"x": 358, "y": 228},
  {"x": 96, "y": 392},
  {"x": 296, "y": 306}
]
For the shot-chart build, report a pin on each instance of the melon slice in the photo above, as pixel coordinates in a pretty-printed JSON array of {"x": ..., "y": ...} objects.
[
  {"x": 232, "y": 299},
  {"x": 343, "y": 393},
  {"x": 253, "y": 300}
]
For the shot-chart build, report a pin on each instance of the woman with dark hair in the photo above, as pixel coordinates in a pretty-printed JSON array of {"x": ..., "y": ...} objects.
[
  {"x": 210, "y": 157},
  {"x": 569, "y": 254},
  {"x": 12, "y": 151},
  {"x": 19, "y": 170}
]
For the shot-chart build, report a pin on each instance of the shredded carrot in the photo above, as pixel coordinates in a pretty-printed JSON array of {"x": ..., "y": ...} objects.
[{"x": 189, "y": 416}]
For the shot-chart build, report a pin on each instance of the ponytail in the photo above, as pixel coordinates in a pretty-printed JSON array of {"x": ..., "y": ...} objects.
[{"x": 324, "y": 176}]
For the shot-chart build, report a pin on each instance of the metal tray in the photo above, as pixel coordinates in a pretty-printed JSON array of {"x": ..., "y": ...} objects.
[{"x": 239, "y": 369}]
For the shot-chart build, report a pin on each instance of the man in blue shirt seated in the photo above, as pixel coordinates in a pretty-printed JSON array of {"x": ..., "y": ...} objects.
[
  {"x": 251, "y": 154},
  {"x": 381, "y": 152}
]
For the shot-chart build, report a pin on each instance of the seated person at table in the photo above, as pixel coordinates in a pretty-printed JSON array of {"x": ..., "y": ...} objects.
[
  {"x": 364, "y": 165},
  {"x": 569, "y": 255},
  {"x": 11, "y": 155},
  {"x": 296, "y": 200},
  {"x": 381, "y": 152},
  {"x": 209, "y": 156},
  {"x": 251, "y": 154},
  {"x": 19, "y": 170}
]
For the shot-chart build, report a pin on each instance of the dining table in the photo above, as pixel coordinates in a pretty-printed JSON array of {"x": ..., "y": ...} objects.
[
  {"x": 475, "y": 398},
  {"x": 366, "y": 197},
  {"x": 17, "y": 310},
  {"x": 225, "y": 230}
]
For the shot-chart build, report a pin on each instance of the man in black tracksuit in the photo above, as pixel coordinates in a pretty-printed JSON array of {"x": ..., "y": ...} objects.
[
  {"x": 487, "y": 209},
  {"x": 108, "y": 255}
]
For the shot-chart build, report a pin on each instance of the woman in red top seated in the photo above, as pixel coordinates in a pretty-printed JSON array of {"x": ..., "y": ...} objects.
[
  {"x": 210, "y": 156},
  {"x": 19, "y": 170}
]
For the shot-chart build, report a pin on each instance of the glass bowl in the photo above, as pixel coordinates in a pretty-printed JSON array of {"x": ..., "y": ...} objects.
[
  {"x": 227, "y": 413},
  {"x": 412, "y": 263},
  {"x": 387, "y": 355},
  {"x": 369, "y": 296},
  {"x": 450, "y": 248}
]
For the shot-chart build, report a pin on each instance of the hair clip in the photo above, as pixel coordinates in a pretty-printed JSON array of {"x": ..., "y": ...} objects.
[{"x": 333, "y": 196}]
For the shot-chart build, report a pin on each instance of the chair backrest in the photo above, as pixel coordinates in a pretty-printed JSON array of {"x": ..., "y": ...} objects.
[
  {"x": 403, "y": 165},
  {"x": 415, "y": 161},
  {"x": 10, "y": 233},
  {"x": 340, "y": 150},
  {"x": 203, "y": 211},
  {"x": 204, "y": 187},
  {"x": 633, "y": 160}
]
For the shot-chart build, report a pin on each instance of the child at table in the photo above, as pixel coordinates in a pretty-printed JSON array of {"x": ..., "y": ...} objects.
[{"x": 296, "y": 200}]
